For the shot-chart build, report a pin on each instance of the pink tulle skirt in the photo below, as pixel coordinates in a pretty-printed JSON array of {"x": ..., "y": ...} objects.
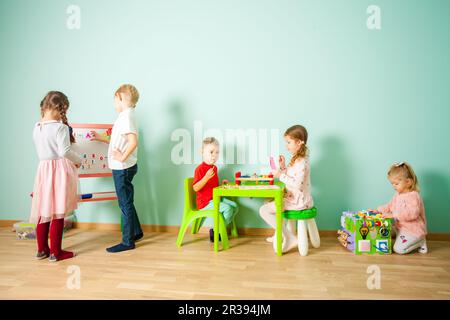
[{"x": 55, "y": 190}]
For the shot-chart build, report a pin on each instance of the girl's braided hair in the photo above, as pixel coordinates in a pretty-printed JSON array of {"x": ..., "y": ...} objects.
[{"x": 56, "y": 100}]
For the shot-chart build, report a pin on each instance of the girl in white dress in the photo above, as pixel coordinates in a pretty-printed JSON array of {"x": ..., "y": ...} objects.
[{"x": 296, "y": 177}]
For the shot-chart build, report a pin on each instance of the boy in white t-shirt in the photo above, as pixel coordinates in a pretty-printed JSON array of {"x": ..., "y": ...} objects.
[{"x": 122, "y": 159}]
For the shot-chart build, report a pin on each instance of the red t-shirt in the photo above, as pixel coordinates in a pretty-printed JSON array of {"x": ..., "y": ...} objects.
[{"x": 205, "y": 194}]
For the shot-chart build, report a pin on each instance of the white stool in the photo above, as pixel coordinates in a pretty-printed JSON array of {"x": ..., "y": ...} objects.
[{"x": 306, "y": 224}]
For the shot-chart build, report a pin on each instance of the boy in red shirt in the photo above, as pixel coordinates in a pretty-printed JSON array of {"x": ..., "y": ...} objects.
[{"x": 206, "y": 179}]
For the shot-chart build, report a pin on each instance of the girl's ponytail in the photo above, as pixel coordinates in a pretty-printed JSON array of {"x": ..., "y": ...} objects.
[
  {"x": 297, "y": 133},
  {"x": 405, "y": 170}
]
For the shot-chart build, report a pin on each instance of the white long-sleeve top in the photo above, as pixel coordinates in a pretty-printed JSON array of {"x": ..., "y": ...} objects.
[
  {"x": 52, "y": 141},
  {"x": 298, "y": 186}
]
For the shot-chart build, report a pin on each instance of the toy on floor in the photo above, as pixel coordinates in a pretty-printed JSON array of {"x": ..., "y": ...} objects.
[
  {"x": 69, "y": 221},
  {"x": 24, "y": 230},
  {"x": 253, "y": 179},
  {"x": 365, "y": 232}
]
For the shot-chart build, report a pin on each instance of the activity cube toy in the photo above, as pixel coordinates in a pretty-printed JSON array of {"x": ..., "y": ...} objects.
[
  {"x": 69, "y": 221},
  {"x": 365, "y": 232}
]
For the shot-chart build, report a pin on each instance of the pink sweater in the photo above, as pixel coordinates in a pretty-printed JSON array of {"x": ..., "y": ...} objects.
[
  {"x": 298, "y": 186},
  {"x": 409, "y": 211}
]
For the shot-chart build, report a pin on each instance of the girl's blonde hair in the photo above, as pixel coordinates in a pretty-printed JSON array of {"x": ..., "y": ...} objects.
[
  {"x": 56, "y": 100},
  {"x": 131, "y": 92},
  {"x": 297, "y": 133},
  {"x": 405, "y": 171}
]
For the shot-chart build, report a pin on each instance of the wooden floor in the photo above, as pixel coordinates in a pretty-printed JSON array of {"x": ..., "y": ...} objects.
[{"x": 157, "y": 269}]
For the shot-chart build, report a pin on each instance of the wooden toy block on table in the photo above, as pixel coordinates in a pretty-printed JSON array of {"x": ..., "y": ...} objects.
[
  {"x": 253, "y": 179},
  {"x": 365, "y": 232},
  {"x": 94, "y": 157}
]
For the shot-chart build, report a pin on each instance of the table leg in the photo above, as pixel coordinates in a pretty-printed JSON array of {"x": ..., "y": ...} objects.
[
  {"x": 279, "y": 219},
  {"x": 216, "y": 201}
]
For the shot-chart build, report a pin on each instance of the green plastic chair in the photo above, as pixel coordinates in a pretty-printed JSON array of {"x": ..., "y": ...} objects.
[
  {"x": 197, "y": 217},
  {"x": 306, "y": 224}
]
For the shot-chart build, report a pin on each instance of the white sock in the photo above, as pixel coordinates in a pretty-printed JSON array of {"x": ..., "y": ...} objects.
[
  {"x": 423, "y": 248},
  {"x": 290, "y": 242}
]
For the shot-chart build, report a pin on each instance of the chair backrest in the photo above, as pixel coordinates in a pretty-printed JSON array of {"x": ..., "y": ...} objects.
[{"x": 189, "y": 195}]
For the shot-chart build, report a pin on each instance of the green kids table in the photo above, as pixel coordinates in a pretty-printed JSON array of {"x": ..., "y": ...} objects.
[{"x": 252, "y": 191}]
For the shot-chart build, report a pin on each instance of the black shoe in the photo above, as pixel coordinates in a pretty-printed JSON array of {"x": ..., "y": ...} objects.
[
  {"x": 41, "y": 255},
  {"x": 138, "y": 237},
  {"x": 211, "y": 235}
]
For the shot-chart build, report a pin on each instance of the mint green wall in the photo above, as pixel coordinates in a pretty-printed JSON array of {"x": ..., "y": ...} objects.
[{"x": 368, "y": 98}]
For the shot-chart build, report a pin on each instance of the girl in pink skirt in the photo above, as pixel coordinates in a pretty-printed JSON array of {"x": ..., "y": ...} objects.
[{"x": 55, "y": 186}]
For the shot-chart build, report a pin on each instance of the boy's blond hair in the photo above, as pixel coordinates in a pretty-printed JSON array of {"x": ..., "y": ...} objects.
[
  {"x": 405, "y": 171},
  {"x": 130, "y": 92},
  {"x": 210, "y": 140}
]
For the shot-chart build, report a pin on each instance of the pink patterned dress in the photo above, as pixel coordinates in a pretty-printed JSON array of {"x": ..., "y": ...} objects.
[{"x": 298, "y": 186}]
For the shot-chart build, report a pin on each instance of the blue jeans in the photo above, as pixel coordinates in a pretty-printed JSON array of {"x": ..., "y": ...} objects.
[
  {"x": 125, "y": 194},
  {"x": 227, "y": 208}
]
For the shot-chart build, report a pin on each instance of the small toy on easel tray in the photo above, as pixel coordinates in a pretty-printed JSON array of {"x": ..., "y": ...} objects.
[
  {"x": 365, "y": 232},
  {"x": 253, "y": 179}
]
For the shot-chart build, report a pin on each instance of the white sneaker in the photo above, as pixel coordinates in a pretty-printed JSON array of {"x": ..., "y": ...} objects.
[
  {"x": 270, "y": 239},
  {"x": 423, "y": 248}
]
